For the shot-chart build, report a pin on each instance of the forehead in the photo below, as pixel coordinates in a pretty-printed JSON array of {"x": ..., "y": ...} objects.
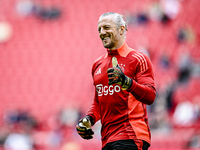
[{"x": 106, "y": 20}]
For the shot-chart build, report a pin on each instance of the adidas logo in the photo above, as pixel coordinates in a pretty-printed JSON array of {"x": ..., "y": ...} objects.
[{"x": 98, "y": 71}]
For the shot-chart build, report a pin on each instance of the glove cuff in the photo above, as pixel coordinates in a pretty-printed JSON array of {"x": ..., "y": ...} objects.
[
  {"x": 91, "y": 119},
  {"x": 127, "y": 83}
]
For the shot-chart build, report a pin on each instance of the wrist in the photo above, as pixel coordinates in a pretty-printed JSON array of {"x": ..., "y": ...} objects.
[
  {"x": 90, "y": 118},
  {"x": 127, "y": 83}
]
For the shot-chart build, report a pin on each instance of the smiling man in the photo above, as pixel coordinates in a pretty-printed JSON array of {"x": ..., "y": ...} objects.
[
  {"x": 124, "y": 82},
  {"x": 111, "y": 34}
]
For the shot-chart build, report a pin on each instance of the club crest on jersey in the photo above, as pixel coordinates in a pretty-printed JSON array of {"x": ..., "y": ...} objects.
[
  {"x": 122, "y": 66},
  {"x": 98, "y": 71}
]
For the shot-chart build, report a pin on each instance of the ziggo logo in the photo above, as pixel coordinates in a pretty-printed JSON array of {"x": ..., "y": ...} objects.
[{"x": 105, "y": 90}]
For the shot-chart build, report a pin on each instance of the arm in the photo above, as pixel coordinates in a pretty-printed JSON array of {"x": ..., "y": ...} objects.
[
  {"x": 84, "y": 125},
  {"x": 92, "y": 116},
  {"x": 143, "y": 87},
  {"x": 94, "y": 112},
  {"x": 144, "y": 92}
]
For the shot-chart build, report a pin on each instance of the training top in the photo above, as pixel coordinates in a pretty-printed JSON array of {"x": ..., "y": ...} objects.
[{"x": 123, "y": 113}]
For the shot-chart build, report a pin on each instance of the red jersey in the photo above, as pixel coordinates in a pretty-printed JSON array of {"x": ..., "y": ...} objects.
[{"x": 123, "y": 113}]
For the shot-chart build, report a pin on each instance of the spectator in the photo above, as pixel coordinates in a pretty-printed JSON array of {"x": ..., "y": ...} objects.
[
  {"x": 170, "y": 8},
  {"x": 18, "y": 141},
  {"x": 25, "y": 7},
  {"x": 50, "y": 13},
  {"x": 5, "y": 31},
  {"x": 69, "y": 117},
  {"x": 20, "y": 118},
  {"x": 164, "y": 11},
  {"x": 194, "y": 141},
  {"x": 185, "y": 66},
  {"x": 186, "y": 34},
  {"x": 181, "y": 117}
]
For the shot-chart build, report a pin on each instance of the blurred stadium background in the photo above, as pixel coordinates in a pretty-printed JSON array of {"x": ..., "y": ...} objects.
[{"x": 47, "y": 48}]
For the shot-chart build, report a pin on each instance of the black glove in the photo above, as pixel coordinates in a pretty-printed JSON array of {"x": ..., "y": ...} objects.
[
  {"x": 84, "y": 128},
  {"x": 116, "y": 76}
]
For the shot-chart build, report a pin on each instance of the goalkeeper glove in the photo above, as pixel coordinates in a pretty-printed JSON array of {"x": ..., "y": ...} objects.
[
  {"x": 84, "y": 128},
  {"x": 116, "y": 76}
]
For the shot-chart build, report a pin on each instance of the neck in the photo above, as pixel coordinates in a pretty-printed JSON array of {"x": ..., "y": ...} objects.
[{"x": 119, "y": 44}]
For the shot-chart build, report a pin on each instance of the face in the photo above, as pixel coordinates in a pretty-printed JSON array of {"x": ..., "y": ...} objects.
[{"x": 108, "y": 32}]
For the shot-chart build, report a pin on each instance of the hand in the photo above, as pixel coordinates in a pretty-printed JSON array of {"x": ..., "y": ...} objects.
[
  {"x": 84, "y": 128},
  {"x": 116, "y": 76}
]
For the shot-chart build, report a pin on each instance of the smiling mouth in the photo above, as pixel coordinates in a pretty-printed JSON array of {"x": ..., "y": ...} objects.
[{"x": 105, "y": 39}]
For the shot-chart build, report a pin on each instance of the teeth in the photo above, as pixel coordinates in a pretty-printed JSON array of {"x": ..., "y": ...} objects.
[{"x": 105, "y": 38}]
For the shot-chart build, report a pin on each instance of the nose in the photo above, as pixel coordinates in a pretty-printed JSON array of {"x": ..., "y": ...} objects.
[{"x": 102, "y": 31}]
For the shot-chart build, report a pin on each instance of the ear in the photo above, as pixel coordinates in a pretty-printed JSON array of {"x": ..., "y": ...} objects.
[{"x": 122, "y": 30}]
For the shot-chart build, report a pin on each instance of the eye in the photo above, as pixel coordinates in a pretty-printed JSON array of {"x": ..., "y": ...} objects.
[
  {"x": 99, "y": 29},
  {"x": 106, "y": 27}
]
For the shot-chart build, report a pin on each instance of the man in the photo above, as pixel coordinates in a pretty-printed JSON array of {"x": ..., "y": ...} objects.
[{"x": 124, "y": 83}]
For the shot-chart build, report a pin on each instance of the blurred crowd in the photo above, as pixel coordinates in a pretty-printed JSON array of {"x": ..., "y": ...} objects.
[
  {"x": 171, "y": 111},
  {"x": 20, "y": 130}
]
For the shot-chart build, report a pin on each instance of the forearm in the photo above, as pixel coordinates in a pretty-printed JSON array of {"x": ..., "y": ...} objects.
[
  {"x": 144, "y": 93},
  {"x": 93, "y": 115},
  {"x": 93, "y": 111}
]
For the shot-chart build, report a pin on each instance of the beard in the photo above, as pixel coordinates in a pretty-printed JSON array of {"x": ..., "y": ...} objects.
[
  {"x": 113, "y": 40},
  {"x": 109, "y": 45}
]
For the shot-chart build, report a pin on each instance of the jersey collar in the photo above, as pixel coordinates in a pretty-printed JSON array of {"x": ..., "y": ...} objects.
[{"x": 123, "y": 50}]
